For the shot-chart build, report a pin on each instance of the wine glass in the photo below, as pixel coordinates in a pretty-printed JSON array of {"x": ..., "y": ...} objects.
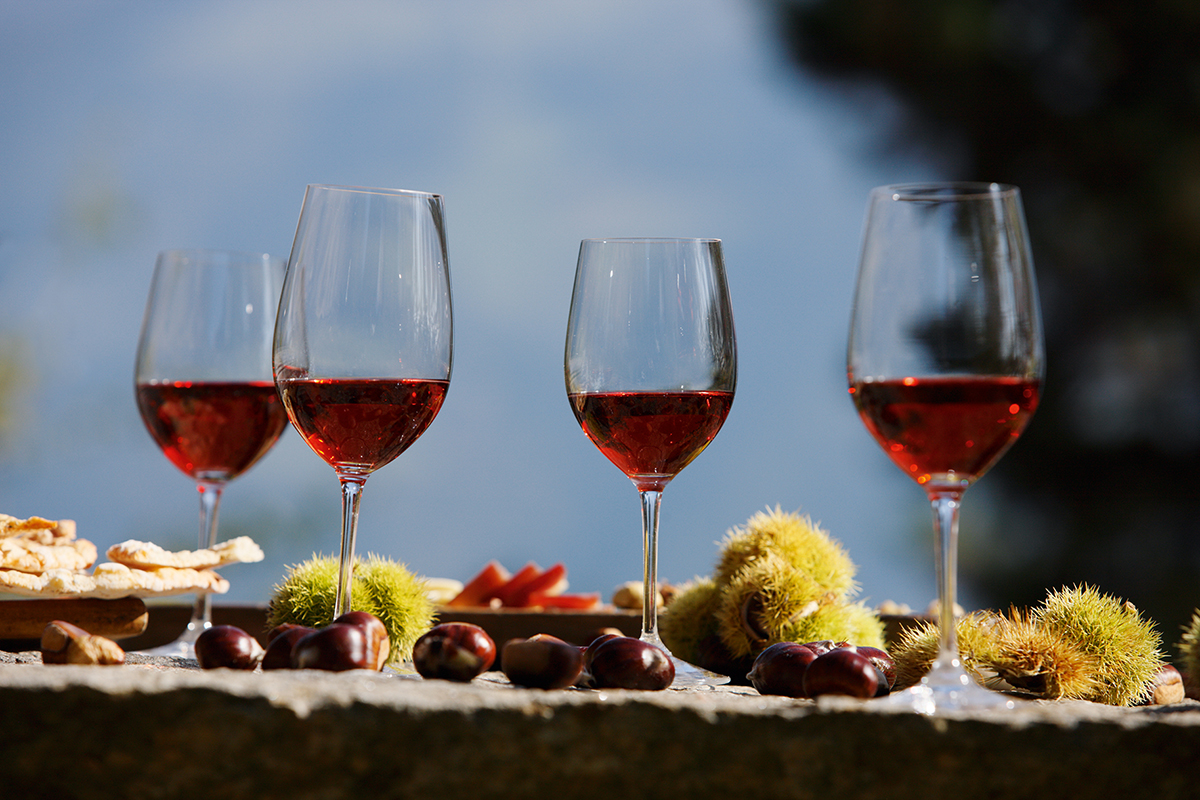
[
  {"x": 945, "y": 364},
  {"x": 363, "y": 342},
  {"x": 203, "y": 379},
  {"x": 651, "y": 367}
]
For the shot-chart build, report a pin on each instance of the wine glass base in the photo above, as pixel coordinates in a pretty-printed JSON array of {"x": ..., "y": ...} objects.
[
  {"x": 178, "y": 648},
  {"x": 183, "y": 647},
  {"x": 687, "y": 676},
  {"x": 950, "y": 690}
]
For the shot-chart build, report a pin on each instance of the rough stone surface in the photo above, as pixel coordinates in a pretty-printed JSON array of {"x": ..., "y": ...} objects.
[{"x": 161, "y": 728}]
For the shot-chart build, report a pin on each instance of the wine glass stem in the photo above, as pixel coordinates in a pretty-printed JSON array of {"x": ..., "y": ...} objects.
[
  {"x": 945, "y": 523},
  {"x": 651, "y": 500},
  {"x": 352, "y": 487},
  {"x": 210, "y": 504}
]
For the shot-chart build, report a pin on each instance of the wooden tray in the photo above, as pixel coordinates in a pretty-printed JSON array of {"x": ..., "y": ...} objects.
[{"x": 116, "y": 619}]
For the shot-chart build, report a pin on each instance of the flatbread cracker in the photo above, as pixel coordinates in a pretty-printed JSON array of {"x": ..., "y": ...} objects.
[
  {"x": 147, "y": 555},
  {"x": 111, "y": 581},
  {"x": 118, "y": 580},
  {"x": 54, "y": 583},
  {"x": 28, "y": 556},
  {"x": 37, "y": 529}
]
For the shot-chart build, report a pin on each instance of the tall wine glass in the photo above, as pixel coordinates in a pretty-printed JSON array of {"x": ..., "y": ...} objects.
[
  {"x": 651, "y": 367},
  {"x": 203, "y": 379},
  {"x": 945, "y": 364},
  {"x": 363, "y": 341}
]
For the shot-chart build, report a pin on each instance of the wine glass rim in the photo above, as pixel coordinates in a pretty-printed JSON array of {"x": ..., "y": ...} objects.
[
  {"x": 939, "y": 191},
  {"x": 650, "y": 239},
  {"x": 216, "y": 251},
  {"x": 372, "y": 190}
]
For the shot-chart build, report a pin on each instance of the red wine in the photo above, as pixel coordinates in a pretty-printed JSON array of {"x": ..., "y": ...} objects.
[
  {"x": 651, "y": 436},
  {"x": 946, "y": 428},
  {"x": 212, "y": 431},
  {"x": 361, "y": 424}
]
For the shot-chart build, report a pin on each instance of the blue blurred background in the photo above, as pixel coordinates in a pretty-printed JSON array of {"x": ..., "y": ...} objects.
[{"x": 133, "y": 127}]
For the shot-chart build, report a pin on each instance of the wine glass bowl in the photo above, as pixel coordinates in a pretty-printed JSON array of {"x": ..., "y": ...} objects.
[
  {"x": 202, "y": 378},
  {"x": 945, "y": 363},
  {"x": 651, "y": 369},
  {"x": 363, "y": 337}
]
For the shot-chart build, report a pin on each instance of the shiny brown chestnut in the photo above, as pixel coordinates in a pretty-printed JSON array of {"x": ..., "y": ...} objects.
[
  {"x": 278, "y": 654},
  {"x": 334, "y": 648},
  {"x": 589, "y": 652},
  {"x": 884, "y": 663},
  {"x": 623, "y": 662},
  {"x": 541, "y": 662},
  {"x": 842, "y": 670},
  {"x": 283, "y": 628},
  {"x": 780, "y": 668},
  {"x": 379, "y": 645},
  {"x": 227, "y": 646},
  {"x": 585, "y": 681},
  {"x": 825, "y": 645},
  {"x": 454, "y": 651}
]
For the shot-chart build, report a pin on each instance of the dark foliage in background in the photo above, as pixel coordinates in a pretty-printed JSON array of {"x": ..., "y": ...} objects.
[{"x": 1093, "y": 109}]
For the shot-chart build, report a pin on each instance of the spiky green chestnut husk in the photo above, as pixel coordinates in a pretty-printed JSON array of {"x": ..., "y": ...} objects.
[
  {"x": 1189, "y": 653},
  {"x": 839, "y": 622},
  {"x": 379, "y": 586},
  {"x": 770, "y": 601},
  {"x": 688, "y": 628},
  {"x": 761, "y": 599},
  {"x": 1079, "y": 644},
  {"x": 1126, "y": 646},
  {"x": 1003, "y": 652},
  {"x": 793, "y": 538}
]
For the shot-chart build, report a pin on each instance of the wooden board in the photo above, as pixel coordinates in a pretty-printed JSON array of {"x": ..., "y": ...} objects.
[{"x": 115, "y": 619}]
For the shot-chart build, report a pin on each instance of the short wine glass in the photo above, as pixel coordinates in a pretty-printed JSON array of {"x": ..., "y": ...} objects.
[
  {"x": 363, "y": 339},
  {"x": 203, "y": 379},
  {"x": 651, "y": 367},
  {"x": 945, "y": 365}
]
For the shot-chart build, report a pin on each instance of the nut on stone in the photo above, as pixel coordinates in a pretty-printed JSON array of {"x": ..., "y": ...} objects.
[
  {"x": 541, "y": 662},
  {"x": 630, "y": 596},
  {"x": 227, "y": 647},
  {"x": 1166, "y": 687},
  {"x": 65, "y": 643},
  {"x": 334, "y": 648},
  {"x": 454, "y": 651},
  {"x": 379, "y": 645}
]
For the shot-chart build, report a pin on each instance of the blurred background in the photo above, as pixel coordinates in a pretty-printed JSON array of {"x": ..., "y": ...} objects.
[{"x": 133, "y": 127}]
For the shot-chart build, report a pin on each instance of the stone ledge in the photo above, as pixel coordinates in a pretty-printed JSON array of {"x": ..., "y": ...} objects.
[{"x": 153, "y": 729}]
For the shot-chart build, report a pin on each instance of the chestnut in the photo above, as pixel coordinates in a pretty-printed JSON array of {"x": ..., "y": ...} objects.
[
  {"x": 278, "y": 654},
  {"x": 825, "y": 645},
  {"x": 283, "y": 628},
  {"x": 589, "y": 652},
  {"x": 1166, "y": 687},
  {"x": 379, "y": 645},
  {"x": 66, "y": 643},
  {"x": 842, "y": 670},
  {"x": 780, "y": 668},
  {"x": 623, "y": 662},
  {"x": 886, "y": 666},
  {"x": 334, "y": 648},
  {"x": 454, "y": 651},
  {"x": 227, "y": 646},
  {"x": 541, "y": 662}
]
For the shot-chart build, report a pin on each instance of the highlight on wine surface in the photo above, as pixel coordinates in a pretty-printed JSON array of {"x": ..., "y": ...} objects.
[{"x": 946, "y": 428}]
